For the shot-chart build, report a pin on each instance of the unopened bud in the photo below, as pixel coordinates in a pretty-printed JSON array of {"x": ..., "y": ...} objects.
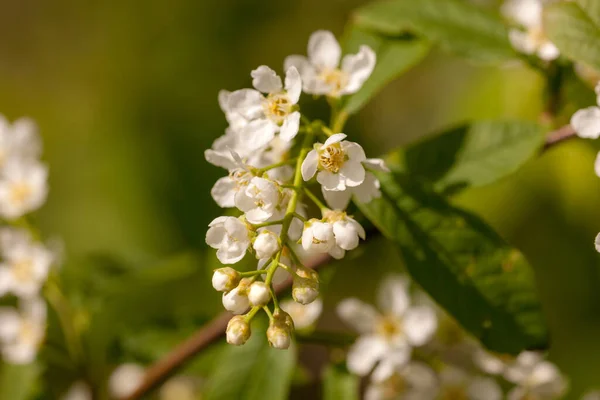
[
  {"x": 307, "y": 273},
  {"x": 236, "y": 300},
  {"x": 259, "y": 294},
  {"x": 305, "y": 290},
  {"x": 266, "y": 244},
  {"x": 225, "y": 279},
  {"x": 238, "y": 330},
  {"x": 279, "y": 332}
]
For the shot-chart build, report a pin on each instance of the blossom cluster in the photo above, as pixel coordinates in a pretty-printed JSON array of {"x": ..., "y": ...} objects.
[
  {"x": 386, "y": 352},
  {"x": 24, "y": 262},
  {"x": 272, "y": 153}
]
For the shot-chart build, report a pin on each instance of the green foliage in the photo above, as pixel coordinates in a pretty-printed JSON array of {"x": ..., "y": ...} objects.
[
  {"x": 472, "y": 154},
  {"x": 462, "y": 263},
  {"x": 592, "y": 8},
  {"x": 395, "y": 56},
  {"x": 254, "y": 371},
  {"x": 574, "y": 32},
  {"x": 338, "y": 383},
  {"x": 458, "y": 26},
  {"x": 18, "y": 382}
]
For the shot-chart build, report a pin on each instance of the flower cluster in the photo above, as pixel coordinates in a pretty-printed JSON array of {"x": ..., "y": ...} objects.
[
  {"x": 269, "y": 173},
  {"x": 390, "y": 339},
  {"x": 24, "y": 262},
  {"x": 529, "y": 37}
]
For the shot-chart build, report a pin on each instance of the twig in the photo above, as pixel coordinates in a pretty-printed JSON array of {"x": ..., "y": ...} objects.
[
  {"x": 202, "y": 338},
  {"x": 558, "y": 136}
]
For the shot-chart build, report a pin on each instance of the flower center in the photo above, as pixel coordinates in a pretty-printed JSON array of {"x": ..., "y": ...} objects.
[
  {"x": 241, "y": 177},
  {"x": 277, "y": 106},
  {"x": 389, "y": 327},
  {"x": 22, "y": 270},
  {"x": 331, "y": 158},
  {"x": 20, "y": 192},
  {"x": 336, "y": 79},
  {"x": 454, "y": 393}
]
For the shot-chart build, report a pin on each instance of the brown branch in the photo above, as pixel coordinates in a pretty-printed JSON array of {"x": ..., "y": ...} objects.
[
  {"x": 558, "y": 136},
  {"x": 202, "y": 338}
]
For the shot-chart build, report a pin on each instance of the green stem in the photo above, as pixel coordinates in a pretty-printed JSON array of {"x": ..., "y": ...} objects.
[
  {"x": 268, "y": 313},
  {"x": 300, "y": 217},
  {"x": 260, "y": 171},
  {"x": 253, "y": 273},
  {"x": 315, "y": 199},
  {"x": 268, "y": 223},
  {"x": 251, "y": 313}
]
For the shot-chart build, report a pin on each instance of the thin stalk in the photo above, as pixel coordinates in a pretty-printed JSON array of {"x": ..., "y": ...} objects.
[
  {"x": 276, "y": 165},
  {"x": 315, "y": 199},
  {"x": 268, "y": 223},
  {"x": 253, "y": 273}
]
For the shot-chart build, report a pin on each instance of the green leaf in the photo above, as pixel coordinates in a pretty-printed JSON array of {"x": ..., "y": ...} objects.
[
  {"x": 394, "y": 57},
  {"x": 473, "y": 154},
  {"x": 338, "y": 383},
  {"x": 573, "y": 32},
  {"x": 254, "y": 371},
  {"x": 18, "y": 382},
  {"x": 592, "y": 8},
  {"x": 458, "y": 26},
  {"x": 462, "y": 263}
]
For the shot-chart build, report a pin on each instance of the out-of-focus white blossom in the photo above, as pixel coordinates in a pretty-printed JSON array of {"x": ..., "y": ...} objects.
[
  {"x": 23, "y": 187},
  {"x": 593, "y": 395},
  {"x": 78, "y": 391},
  {"x": 530, "y": 38},
  {"x": 303, "y": 315},
  {"x": 458, "y": 384},
  {"x": 586, "y": 122},
  {"x": 125, "y": 379},
  {"x": 22, "y": 331},
  {"x": 337, "y": 163},
  {"x": 413, "y": 381},
  {"x": 535, "y": 377},
  {"x": 321, "y": 72},
  {"x": 386, "y": 338},
  {"x": 490, "y": 363},
  {"x": 230, "y": 237}
]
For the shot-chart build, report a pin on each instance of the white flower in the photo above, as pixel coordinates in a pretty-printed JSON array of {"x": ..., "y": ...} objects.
[
  {"x": 179, "y": 388},
  {"x": 533, "y": 40},
  {"x": 534, "y": 377},
  {"x": 413, "y": 381},
  {"x": 318, "y": 236},
  {"x": 597, "y": 242},
  {"x": 269, "y": 114},
  {"x": 230, "y": 237},
  {"x": 386, "y": 338},
  {"x": 320, "y": 72},
  {"x": 238, "y": 331},
  {"x": 236, "y": 300},
  {"x": 23, "y": 187},
  {"x": 490, "y": 363},
  {"x": 303, "y": 315},
  {"x": 25, "y": 264},
  {"x": 225, "y": 279},
  {"x": 266, "y": 244},
  {"x": 78, "y": 391},
  {"x": 586, "y": 122},
  {"x": 364, "y": 193},
  {"x": 22, "y": 332},
  {"x": 125, "y": 379},
  {"x": 258, "y": 200},
  {"x": 19, "y": 140},
  {"x": 235, "y": 119},
  {"x": 337, "y": 163},
  {"x": 259, "y": 294},
  {"x": 593, "y": 395},
  {"x": 346, "y": 232},
  {"x": 457, "y": 384}
]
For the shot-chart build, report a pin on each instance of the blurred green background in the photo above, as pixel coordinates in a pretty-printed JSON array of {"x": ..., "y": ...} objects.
[{"x": 125, "y": 94}]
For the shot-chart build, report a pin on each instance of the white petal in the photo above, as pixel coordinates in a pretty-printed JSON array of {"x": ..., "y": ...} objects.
[
  {"x": 293, "y": 84},
  {"x": 331, "y": 181},
  {"x": 10, "y": 323},
  {"x": 392, "y": 296},
  {"x": 266, "y": 80},
  {"x": 223, "y": 192},
  {"x": 586, "y": 123},
  {"x": 597, "y": 243},
  {"x": 324, "y": 50},
  {"x": 358, "y": 67},
  {"x": 393, "y": 361},
  {"x": 545, "y": 372},
  {"x": 517, "y": 393},
  {"x": 420, "y": 324},
  {"x": 337, "y": 200},
  {"x": 548, "y": 51},
  {"x": 364, "y": 353},
  {"x": 376, "y": 164},
  {"x": 335, "y": 138},
  {"x": 301, "y": 64},
  {"x": 337, "y": 252},
  {"x": 258, "y": 133},
  {"x": 290, "y": 126},
  {"x": 353, "y": 172},
  {"x": 368, "y": 190},
  {"x": 215, "y": 236},
  {"x": 258, "y": 215},
  {"x": 361, "y": 316},
  {"x": 354, "y": 151},
  {"x": 525, "y": 12},
  {"x": 488, "y": 363},
  {"x": 484, "y": 389},
  {"x": 220, "y": 158},
  {"x": 346, "y": 235},
  {"x": 247, "y": 102},
  {"x": 522, "y": 41},
  {"x": 309, "y": 165},
  {"x": 224, "y": 100}
]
